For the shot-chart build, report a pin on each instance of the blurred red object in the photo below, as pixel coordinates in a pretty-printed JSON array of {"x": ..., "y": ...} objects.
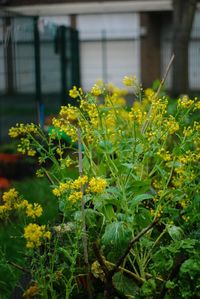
[
  {"x": 9, "y": 158},
  {"x": 4, "y": 183}
]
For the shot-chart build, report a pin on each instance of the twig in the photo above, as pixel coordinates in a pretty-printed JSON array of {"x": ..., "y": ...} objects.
[
  {"x": 130, "y": 245},
  {"x": 108, "y": 285},
  {"x": 19, "y": 267},
  {"x": 48, "y": 177},
  {"x": 165, "y": 75},
  {"x": 84, "y": 230},
  {"x": 159, "y": 89}
]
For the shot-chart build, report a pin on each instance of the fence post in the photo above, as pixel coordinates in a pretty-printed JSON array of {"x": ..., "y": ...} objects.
[
  {"x": 38, "y": 90},
  {"x": 63, "y": 63}
]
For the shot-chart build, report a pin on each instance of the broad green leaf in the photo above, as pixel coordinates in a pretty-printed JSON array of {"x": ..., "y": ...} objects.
[
  {"x": 191, "y": 267},
  {"x": 139, "y": 198},
  {"x": 124, "y": 284},
  {"x": 116, "y": 234},
  {"x": 109, "y": 212},
  {"x": 106, "y": 146},
  {"x": 175, "y": 232},
  {"x": 149, "y": 287},
  {"x": 139, "y": 187},
  {"x": 86, "y": 164}
]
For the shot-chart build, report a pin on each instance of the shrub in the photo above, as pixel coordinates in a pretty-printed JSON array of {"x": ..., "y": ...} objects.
[{"x": 128, "y": 224}]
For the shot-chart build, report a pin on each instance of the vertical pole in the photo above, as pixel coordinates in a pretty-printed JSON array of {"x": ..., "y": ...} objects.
[
  {"x": 38, "y": 90},
  {"x": 63, "y": 62},
  {"x": 9, "y": 56},
  {"x": 75, "y": 58},
  {"x": 104, "y": 57}
]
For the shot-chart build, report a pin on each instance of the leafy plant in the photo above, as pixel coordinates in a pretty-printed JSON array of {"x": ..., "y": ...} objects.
[{"x": 126, "y": 227}]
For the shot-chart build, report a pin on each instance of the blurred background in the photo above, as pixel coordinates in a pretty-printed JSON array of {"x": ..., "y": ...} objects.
[{"x": 48, "y": 46}]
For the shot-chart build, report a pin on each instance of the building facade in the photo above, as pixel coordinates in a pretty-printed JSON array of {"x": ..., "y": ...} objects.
[{"x": 101, "y": 40}]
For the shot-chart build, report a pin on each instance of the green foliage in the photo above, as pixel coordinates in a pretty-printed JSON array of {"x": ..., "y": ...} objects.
[{"x": 127, "y": 219}]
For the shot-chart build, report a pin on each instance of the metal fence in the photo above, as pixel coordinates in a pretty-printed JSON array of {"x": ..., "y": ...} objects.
[{"x": 37, "y": 67}]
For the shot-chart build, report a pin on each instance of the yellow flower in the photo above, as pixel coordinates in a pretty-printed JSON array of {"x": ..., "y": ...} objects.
[
  {"x": 34, "y": 233},
  {"x": 185, "y": 102},
  {"x": 74, "y": 93},
  {"x": 197, "y": 105},
  {"x": 96, "y": 185},
  {"x": 10, "y": 196},
  {"x": 56, "y": 192},
  {"x": 69, "y": 112},
  {"x": 75, "y": 196},
  {"x": 59, "y": 151},
  {"x": 68, "y": 162},
  {"x": 34, "y": 210},
  {"x": 62, "y": 188},
  {"x": 96, "y": 90},
  {"x": 22, "y": 129},
  {"x": 171, "y": 125},
  {"x": 80, "y": 182},
  {"x": 129, "y": 80},
  {"x": 31, "y": 152}
]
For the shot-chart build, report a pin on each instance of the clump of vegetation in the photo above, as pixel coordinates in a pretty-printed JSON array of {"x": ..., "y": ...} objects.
[{"x": 128, "y": 223}]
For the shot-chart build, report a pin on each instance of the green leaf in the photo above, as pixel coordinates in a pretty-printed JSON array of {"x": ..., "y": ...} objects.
[
  {"x": 116, "y": 234},
  {"x": 191, "y": 267},
  {"x": 139, "y": 198},
  {"x": 149, "y": 287},
  {"x": 124, "y": 284},
  {"x": 175, "y": 232},
  {"x": 106, "y": 146},
  {"x": 90, "y": 217},
  {"x": 109, "y": 212},
  {"x": 128, "y": 165},
  {"x": 139, "y": 187},
  {"x": 170, "y": 284},
  {"x": 86, "y": 164}
]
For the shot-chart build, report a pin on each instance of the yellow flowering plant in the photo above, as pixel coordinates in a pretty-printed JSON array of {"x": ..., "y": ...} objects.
[{"x": 126, "y": 219}]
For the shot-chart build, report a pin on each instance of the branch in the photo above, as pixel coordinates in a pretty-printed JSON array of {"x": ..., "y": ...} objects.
[
  {"x": 84, "y": 230},
  {"x": 130, "y": 245},
  {"x": 165, "y": 75},
  {"x": 19, "y": 267}
]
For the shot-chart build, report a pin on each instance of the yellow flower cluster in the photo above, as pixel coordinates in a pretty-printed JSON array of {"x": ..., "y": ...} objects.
[
  {"x": 137, "y": 115},
  {"x": 34, "y": 234},
  {"x": 158, "y": 109},
  {"x": 9, "y": 201},
  {"x": 62, "y": 188},
  {"x": 79, "y": 182},
  {"x": 13, "y": 202},
  {"x": 171, "y": 125},
  {"x": 75, "y": 190},
  {"x": 185, "y": 102},
  {"x": 129, "y": 80},
  {"x": 24, "y": 147},
  {"x": 66, "y": 127},
  {"x": 22, "y": 129},
  {"x": 34, "y": 210},
  {"x": 69, "y": 112},
  {"x": 75, "y": 196},
  {"x": 96, "y": 90},
  {"x": 96, "y": 185},
  {"x": 165, "y": 155},
  {"x": 74, "y": 93}
]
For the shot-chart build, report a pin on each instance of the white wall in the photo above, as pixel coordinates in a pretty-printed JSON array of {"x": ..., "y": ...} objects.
[
  {"x": 24, "y": 54},
  {"x": 109, "y": 47}
]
